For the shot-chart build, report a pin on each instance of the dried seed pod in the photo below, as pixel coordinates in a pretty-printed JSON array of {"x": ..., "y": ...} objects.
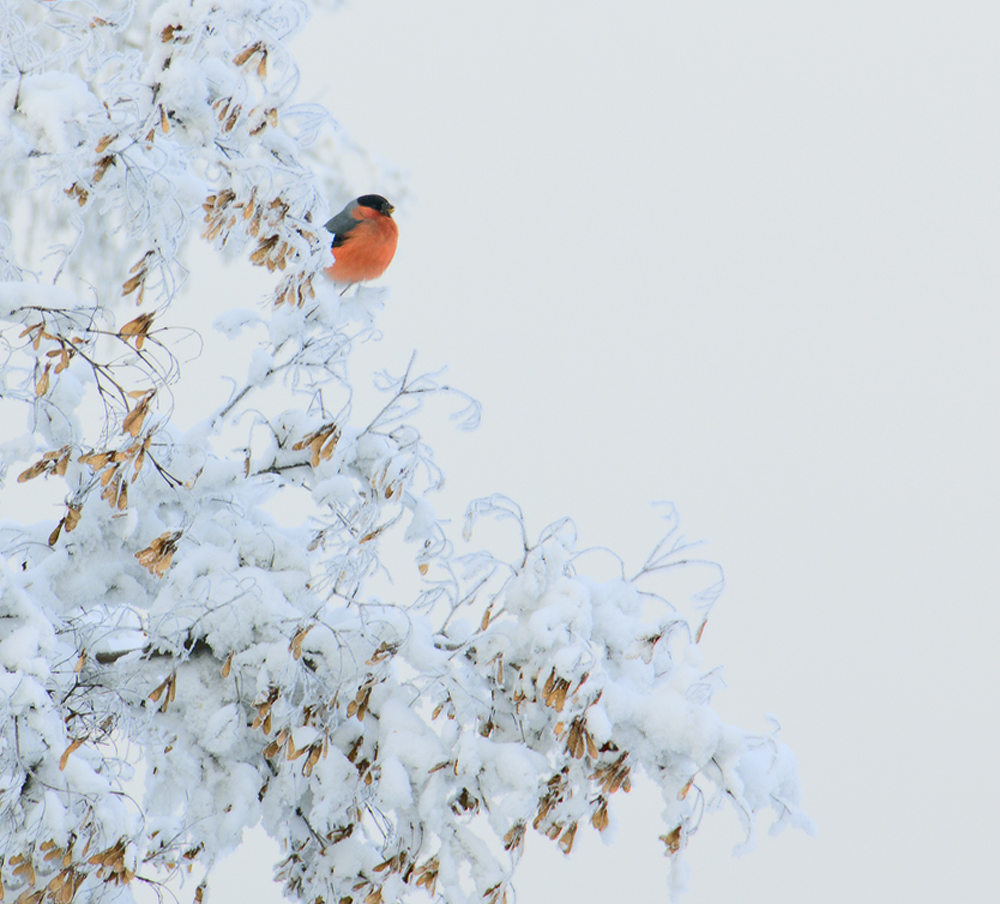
[{"x": 64, "y": 759}]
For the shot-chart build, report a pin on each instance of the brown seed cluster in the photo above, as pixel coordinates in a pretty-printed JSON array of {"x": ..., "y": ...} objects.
[
  {"x": 65, "y": 350},
  {"x": 259, "y": 50},
  {"x": 52, "y": 462},
  {"x": 283, "y": 743},
  {"x": 76, "y": 190},
  {"x": 264, "y": 703},
  {"x": 320, "y": 443},
  {"x": 167, "y": 689},
  {"x": 137, "y": 330},
  {"x": 113, "y": 465},
  {"x": 673, "y": 840},
  {"x": 359, "y": 705},
  {"x": 614, "y": 775},
  {"x": 599, "y": 817},
  {"x": 369, "y": 890},
  {"x": 266, "y": 222},
  {"x": 111, "y": 864},
  {"x": 496, "y": 894},
  {"x": 137, "y": 281},
  {"x": 554, "y": 691},
  {"x": 295, "y": 644},
  {"x": 555, "y": 792},
  {"x": 294, "y": 289},
  {"x": 62, "y": 871},
  {"x": 156, "y": 557}
]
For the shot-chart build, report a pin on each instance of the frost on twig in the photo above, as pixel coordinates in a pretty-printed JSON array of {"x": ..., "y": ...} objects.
[{"x": 399, "y": 712}]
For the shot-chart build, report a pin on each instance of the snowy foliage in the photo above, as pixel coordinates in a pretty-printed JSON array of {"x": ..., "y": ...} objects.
[{"x": 397, "y": 746}]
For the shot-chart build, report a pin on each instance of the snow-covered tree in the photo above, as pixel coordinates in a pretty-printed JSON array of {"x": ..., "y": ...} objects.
[{"x": 397, "y": 739}]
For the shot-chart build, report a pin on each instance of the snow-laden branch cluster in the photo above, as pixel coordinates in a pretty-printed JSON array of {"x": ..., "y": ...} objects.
[{"x": 396, "y": 743}]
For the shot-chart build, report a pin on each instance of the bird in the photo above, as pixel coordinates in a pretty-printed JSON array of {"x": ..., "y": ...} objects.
[{"x": 364, "y": 240}]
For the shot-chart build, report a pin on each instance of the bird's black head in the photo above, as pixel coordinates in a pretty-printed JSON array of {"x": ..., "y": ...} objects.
[{"x": 376, "y": 202}]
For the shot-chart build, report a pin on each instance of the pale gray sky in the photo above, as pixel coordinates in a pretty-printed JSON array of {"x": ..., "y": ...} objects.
[{"x": 742, "y": 256}]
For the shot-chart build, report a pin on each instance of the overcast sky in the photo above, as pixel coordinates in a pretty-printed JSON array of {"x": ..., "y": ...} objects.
[{"x": 742, "y": 256}]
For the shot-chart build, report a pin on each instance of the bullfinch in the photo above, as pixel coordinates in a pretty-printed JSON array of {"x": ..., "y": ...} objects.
[{"x": 364, "y": 240}]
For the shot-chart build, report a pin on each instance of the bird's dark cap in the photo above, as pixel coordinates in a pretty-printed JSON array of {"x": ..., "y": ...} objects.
[{"x": 376, "y": 202}]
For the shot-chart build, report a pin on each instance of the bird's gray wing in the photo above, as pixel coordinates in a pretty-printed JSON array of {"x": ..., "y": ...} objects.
[{"x": 341, "y": 224}]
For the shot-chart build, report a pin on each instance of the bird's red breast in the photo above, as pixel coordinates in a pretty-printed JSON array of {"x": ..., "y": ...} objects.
[{"x": 364, "y": 240}]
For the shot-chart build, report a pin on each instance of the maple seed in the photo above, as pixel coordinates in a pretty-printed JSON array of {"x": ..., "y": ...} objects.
[
  {"x": 260, "y": 255},
  {"x": 137, "y": 328},
  {"x": 426, "y": 875},
  {"x": 566, "y": 841},
  {"x": 27, "y": 870},
  {"x": 515, "y": 837},
  {"x": 295, "y": 647},
  {"x": 672, "y": 841},
  {"x": 247, "y": 52},
  {"x": 600, "y": 818},
  {"x": 42, "y": 386},
  {"x": 96, "y": 460},
  {"x": 102, "y": 167},
  {"x": 156, "y": 557},
  {"x": 64, "y": 759},
  {"x": 39, "y": 467},
  {"x": 64, "y": 356},
  {"x": 132, "y": 424},
  {"x": 110, "y": 495},
  {"x": 158, "y": 691}
]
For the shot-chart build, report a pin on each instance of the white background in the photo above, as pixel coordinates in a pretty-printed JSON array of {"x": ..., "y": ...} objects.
[{"x": 743, "y": 256}]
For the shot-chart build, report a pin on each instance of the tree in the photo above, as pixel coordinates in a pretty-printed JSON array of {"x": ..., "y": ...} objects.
[{"x": 398, "y": 739}]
